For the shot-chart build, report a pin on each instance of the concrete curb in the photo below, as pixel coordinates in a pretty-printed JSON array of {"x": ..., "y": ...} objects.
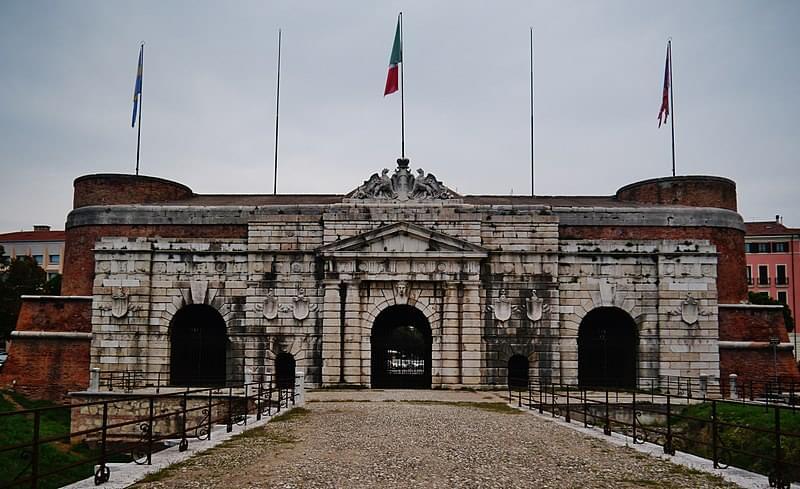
[{"x": 744, "y": 478}]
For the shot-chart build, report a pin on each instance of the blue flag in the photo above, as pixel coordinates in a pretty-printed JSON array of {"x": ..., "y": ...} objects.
[{"x": 137, "y": 88}]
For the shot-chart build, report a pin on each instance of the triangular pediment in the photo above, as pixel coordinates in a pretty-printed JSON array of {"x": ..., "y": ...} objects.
[{"x": 403, "y": 238}]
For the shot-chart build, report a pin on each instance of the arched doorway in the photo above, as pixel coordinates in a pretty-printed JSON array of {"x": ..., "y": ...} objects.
[
  {"x": 284, "y": 370},
  {"x": 199, "y": 343},
  {"x": 518, "y": 371},
  {"x": 608, "y": 344},
  {"x": 401, "y": 348}
]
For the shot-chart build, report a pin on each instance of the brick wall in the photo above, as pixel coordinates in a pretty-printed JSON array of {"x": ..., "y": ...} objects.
[
  {"x": 48, "y": 367},
  {"x": 110, "y": 189},
  {"x": 696, "y": 191},
  {"x": 45, "y": 368},
  {"x": 754, "y": 324},
  {"x": 731, "y": 279},
  {"x": 79, "y": 258}
]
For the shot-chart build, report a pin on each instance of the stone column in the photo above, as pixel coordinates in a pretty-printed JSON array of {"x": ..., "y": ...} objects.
[
  {"x": 471, "y": 346},
  {"x": 330, "y": 312}
]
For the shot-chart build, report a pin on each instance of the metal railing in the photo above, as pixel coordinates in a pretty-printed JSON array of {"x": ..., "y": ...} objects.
[
  {"x": 658, "y": 417},
  {"x": 135, "y": 427}
]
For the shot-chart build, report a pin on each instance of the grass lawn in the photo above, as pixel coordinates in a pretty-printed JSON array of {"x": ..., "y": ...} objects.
[
  {"x": 751, "y": 444},
  {"x": 15, "y": 464}
]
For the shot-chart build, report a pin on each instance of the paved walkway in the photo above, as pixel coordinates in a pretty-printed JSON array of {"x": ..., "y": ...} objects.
[{"x": 441, "y": 439}]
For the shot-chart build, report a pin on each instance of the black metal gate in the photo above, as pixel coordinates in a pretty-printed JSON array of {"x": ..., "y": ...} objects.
[
  {"x": 198, "y": 343},
  {"x": 401, "y": 349},
  {"x": 607, "y": 349}
]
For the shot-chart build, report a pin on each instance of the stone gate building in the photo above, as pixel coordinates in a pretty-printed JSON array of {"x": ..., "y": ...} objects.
[{"x": 404, "y": 282}]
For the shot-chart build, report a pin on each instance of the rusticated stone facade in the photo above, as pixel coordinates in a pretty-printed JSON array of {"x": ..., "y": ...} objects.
[{"x": 556, "y": 287}]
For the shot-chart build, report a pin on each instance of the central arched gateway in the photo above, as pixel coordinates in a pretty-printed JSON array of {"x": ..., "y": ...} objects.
[
  {"x": 608, "y": 346},
  {"x": 199, "y": 343},
  {"x": 401, "y": 348}
]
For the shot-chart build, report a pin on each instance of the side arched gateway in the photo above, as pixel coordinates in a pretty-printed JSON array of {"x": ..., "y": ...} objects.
[
  {"x": 608, "y": 345},
  {"x": 401, "y": 348},
  {"x": 284, "y": 370},
  {"x": 518, "y": 371},
  {"x": 198, "y": 347}
]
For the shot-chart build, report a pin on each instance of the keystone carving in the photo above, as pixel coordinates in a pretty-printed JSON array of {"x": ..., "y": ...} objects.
[{"x": 403, "y": 185}]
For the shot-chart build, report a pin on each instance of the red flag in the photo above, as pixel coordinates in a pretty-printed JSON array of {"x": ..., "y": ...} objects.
[{"x": 663, "y": 113}]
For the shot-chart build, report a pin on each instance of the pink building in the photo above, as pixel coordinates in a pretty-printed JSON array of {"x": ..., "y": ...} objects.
[{"x": 772, "y": 252}]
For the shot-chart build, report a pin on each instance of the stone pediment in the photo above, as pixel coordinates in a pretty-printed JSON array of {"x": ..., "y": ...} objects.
[
  {"x": 403, "y": 238},
  {"x": 403, "y": 185}
]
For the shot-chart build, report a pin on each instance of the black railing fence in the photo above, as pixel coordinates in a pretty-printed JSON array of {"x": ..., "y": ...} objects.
[
  {"x": 136, "y": 427},
  {"x": 761, "y": 436},
  {"x": 132, "y": 379}
]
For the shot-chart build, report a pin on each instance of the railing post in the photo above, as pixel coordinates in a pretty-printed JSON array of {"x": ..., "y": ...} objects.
[
  {"x": 541, "y": 399},
  {"x": 269, "y": 397},
  {"x": 102, "y": 473},
  {"x": 210, "y": 390},
  {"x": 258, "y": 400},
  {"x": 553, "y": 400},
  {"x": 35, "y": 450},
  {"x": 566, "y": 416},
  {"x": 229, "y": 427},
  {"x": 607, "y": 426},
  {"x": 668, "y": 448},
  {"x": 703, "y": 386},
  {"x": 714, "y": 435},
  {"x": 150, "y": 432},
  {"x": 633, "y": 416},
  {"x": 732, "y": 388},
  {"x": 246, "y": 403},
  {"x": 585, "y": 410},
  {"x": 184, "y": 443},
  {"x": 510, "y": 398}
]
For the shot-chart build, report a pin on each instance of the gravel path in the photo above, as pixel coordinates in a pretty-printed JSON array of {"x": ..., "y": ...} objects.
[{"x": 438, "y": 444}]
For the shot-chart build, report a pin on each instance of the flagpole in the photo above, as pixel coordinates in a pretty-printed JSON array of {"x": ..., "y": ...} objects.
[
  {"x": 533, "y": 146},
  {"x": 672, "y": 104},
  {"x": 139, "y": 133},
  {"x": 277, "y": 115},
  {"x": 402, "y": 100}
]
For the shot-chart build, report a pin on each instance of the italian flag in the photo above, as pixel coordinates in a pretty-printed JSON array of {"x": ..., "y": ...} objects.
[{"x": 392, "y": 82}]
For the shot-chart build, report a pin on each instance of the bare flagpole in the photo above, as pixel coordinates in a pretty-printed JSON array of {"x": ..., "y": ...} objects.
[
  {"x": 671, "y": 103},
  {"x": 533, "y": 144},
  {"x": 277, "y": 117}
]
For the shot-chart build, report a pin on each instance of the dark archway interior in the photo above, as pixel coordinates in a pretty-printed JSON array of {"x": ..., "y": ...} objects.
[
  {"x": 284, "y": 370},
  {"x": 518, "y": 371},
  {"x": 608, "y": 344},
  {"x": 199, "y": 343},
  {"x": 401, "y": 348}
]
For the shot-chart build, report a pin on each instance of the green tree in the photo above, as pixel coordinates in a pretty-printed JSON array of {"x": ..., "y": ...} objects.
[
  {"x": 763, "y": 298},
  {"x": 18, "y": 277}
]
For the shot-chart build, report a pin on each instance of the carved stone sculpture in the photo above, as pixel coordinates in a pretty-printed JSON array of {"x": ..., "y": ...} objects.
[{"x": 403, "y": 185}]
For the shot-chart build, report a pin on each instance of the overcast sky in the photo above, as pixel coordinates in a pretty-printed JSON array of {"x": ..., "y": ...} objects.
[{"x": 67, "y": 73}]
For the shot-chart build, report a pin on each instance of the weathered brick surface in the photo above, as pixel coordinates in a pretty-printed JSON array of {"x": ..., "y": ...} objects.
[
  {"x": 110, "y": 189},
  {"x": 755, "y": 364},
  {"x": 731, "y": 280},
  {"x": 79, "y": 258},
  {"x": 696, "y": 191},
  {"x": 54, "y": 314},
  {"x": 46, "y": 368}
]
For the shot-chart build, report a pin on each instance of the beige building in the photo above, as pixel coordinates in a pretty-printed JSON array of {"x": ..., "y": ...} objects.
[{"x": 46, "y": 247}]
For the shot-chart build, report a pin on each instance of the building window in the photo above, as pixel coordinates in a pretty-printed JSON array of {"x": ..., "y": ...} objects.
[
  {"x": 749, "y": 275},
  {"x": 763, "y": 275},
  {"x": 39, "y": 259},
  {"x": 54, "y": 259},
  {"x": 780, "y": 275},
  {"x": 782, "y": 297},
  {"x": 757, "y": 247},
  {"x": 782, "y": 247}
]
